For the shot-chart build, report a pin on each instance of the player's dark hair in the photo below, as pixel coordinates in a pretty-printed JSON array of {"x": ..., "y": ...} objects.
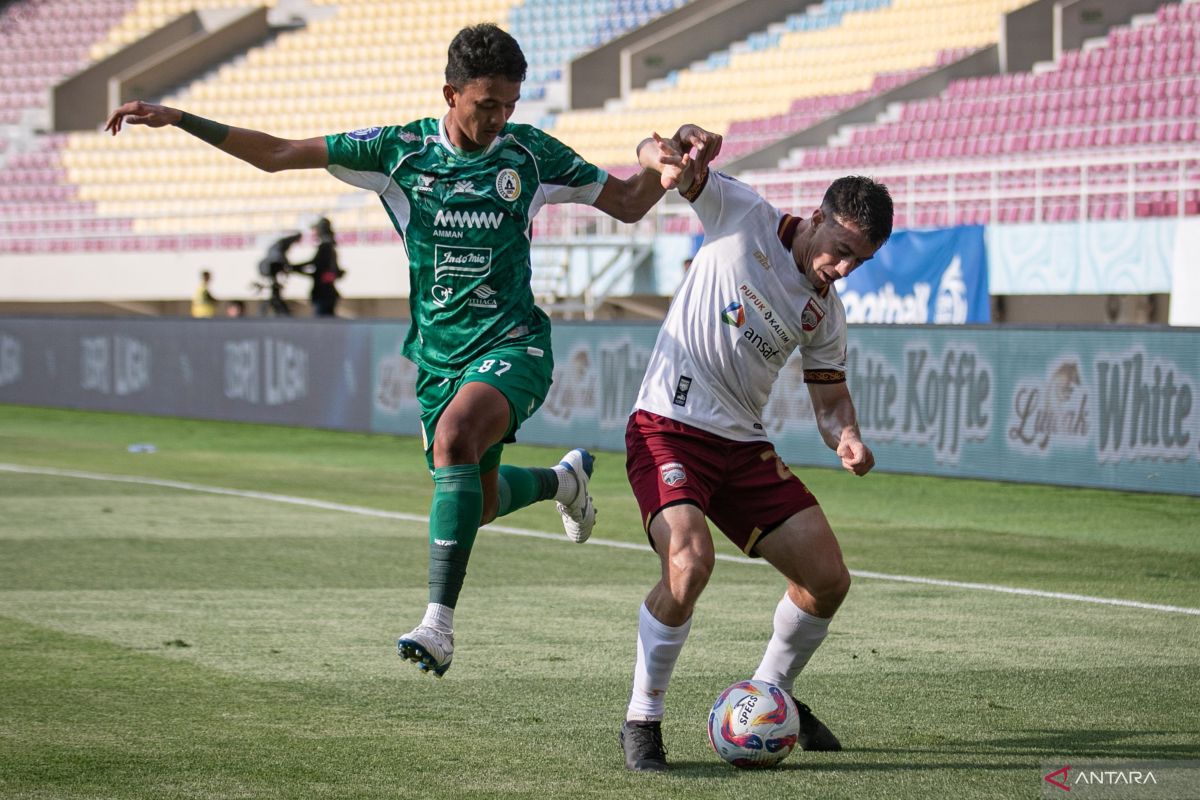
[
  {"x": 484, "y": 51},
  {"x": 865, "y": 202}
]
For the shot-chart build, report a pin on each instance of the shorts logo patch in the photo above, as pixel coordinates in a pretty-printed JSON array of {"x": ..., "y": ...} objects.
[
  {"x": 672, "y": 474},
  {"x": 811, "y": 316},
  {"x": 508, "y": 184},
  {"x": 365, "y": 134}
]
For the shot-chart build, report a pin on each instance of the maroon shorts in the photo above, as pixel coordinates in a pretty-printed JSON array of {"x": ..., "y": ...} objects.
[{"x": 743, "y": 487}]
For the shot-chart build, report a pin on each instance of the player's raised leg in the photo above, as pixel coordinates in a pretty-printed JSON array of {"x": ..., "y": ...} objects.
[
  {"x": 566, "y": 483},
  {"x": 475, "y": 419},
  {"x": 574, "y": 503}
]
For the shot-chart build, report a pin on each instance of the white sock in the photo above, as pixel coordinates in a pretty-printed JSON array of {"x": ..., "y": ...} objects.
[
  {"x": 797, "y": 636},
  {"x": 440, "y": 617},
  {"x": 658, "y": 646},
  {"x": 568, "y": 487}
]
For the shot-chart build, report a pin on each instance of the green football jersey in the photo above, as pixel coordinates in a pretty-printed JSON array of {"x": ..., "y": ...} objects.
[{"x": 465, "y": 219}]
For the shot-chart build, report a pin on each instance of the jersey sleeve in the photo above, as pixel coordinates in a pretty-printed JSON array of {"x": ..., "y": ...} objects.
[
  {"x": 722, "y": 202},
  {"x": 357, "y": 158},
  {"x": 565, "y": 176}
]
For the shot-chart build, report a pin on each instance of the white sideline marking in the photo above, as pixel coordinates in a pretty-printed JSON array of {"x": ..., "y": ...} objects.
[{"x": 398, "y": 515}]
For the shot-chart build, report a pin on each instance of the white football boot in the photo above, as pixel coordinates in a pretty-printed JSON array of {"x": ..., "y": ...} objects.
[
  {"x": 431, "y": 649},
  {"x": 579, "y": 514}
]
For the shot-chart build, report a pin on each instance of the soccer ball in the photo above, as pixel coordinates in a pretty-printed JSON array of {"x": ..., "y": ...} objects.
[{"x": 753, "y": 724}]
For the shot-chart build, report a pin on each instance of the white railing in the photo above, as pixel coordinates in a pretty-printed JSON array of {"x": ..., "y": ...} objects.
[{"x": 1035, "y": 182}]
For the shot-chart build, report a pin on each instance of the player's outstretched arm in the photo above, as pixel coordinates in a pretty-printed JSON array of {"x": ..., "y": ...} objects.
[
  {"x": 267, "y": 152},
  {"x": 838, "y": 423}
]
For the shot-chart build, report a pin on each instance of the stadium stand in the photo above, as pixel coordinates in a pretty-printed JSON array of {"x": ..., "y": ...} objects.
[
  {"x": 555, "y": 31},
  {"x": 840, "y": 48},
  {"x": 360, "y": 78},
  {"x": 41, "y": 43},
  {"x": 1133, "y": 94},
  {"x": 1106, "y": 130}
]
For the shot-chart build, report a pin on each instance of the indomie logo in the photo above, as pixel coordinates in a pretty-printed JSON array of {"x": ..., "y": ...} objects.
[
  {"x": 470, "y": 262},
  {"x": 468, "y": 219}
]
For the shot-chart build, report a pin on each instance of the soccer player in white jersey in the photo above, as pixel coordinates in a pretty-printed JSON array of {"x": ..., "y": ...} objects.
[
  {"x": 462, "y": 192},
  {"x": 759, "y": 289}
]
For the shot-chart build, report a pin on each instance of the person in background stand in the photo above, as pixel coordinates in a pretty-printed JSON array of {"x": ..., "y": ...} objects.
[
  {"x": 204, "y": 305},
  {"x": 324, "y": 270},
  {"x": 274, "y": 265}
]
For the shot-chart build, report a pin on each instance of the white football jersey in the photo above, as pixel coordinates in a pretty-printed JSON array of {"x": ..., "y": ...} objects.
[{"x": 743, "y": 308}]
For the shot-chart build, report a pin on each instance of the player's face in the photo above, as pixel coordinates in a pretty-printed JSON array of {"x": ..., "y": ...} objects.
[
  {"x": 479, "y": 110},
  {"x": 831, "y": 249}
]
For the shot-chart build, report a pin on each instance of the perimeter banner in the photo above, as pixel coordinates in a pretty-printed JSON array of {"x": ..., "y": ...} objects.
[
  {"x": 1106, "y": 407},
  {"x": 934, "y": 276},
  {"x": 289, "y": 373},
  {"x": 1111, "y": 408}
]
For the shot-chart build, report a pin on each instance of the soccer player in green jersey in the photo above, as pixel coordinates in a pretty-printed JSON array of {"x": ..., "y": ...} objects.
[{"x": 462, "y": 192}]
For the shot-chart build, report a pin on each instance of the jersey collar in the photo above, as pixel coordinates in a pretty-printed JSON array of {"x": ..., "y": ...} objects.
[{"x": 444, "y": 141}]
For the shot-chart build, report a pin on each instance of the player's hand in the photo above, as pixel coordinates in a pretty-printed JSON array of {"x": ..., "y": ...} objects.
[
  {"x": 856, "y": 457},
  {"x": 673, "y": 164},
  {"x": 702, "y": 146},
  {"x": 138, "y": 112}
]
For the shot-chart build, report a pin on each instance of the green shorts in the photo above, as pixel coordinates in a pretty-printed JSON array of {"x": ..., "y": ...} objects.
[{"x": 522, "y": 370}]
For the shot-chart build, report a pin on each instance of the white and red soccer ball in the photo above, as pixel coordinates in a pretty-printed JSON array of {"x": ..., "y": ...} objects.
[{"x": 753, "y": 724}]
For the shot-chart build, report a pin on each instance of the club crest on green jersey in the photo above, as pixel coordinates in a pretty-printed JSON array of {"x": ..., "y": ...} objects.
[{"x": 508, "y": 184}]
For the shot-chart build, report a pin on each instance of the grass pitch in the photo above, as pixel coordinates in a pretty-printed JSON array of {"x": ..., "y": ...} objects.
[{"x": 159, "y": 641}]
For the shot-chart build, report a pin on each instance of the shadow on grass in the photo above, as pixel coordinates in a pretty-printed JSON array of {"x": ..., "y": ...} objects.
[{"x": 1016, "y": 752}]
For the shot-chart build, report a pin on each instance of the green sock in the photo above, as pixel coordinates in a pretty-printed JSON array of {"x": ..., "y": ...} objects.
[
  {"x": 520, "y": 487},
  {"x": 453, "y": 522}
]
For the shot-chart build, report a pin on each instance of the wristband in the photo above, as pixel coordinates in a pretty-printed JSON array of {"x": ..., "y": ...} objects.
[
  {"x": 697, "y": 186},
  {"x": 205, "y": 129}
]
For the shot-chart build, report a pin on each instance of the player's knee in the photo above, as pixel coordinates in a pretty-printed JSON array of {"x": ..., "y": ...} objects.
[
  {"x": 832, "y": 588},
  {"x": 841, "y": 586},
  {"x": 690, "y": 571},
  {"x": 454, "y": 444}
]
